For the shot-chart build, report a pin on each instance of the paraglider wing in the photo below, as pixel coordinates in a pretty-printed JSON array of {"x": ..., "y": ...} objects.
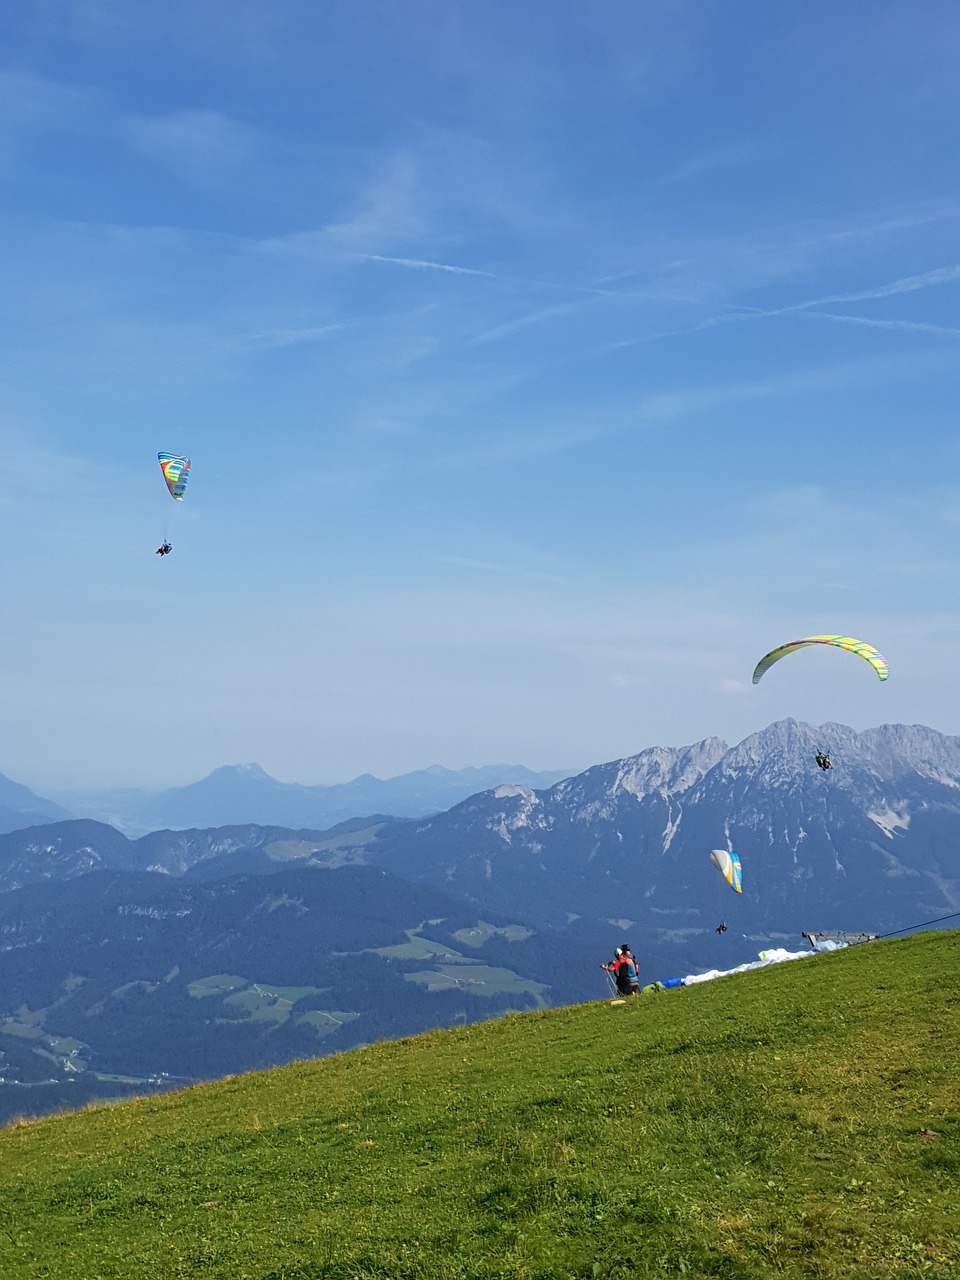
[
  {"x": 862, "y": 650},
  {"x": 728, "y": 864},
  {"x": 176, "y": 471}
]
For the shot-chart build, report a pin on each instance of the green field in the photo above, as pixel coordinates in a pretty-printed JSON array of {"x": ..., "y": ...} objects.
[
  {"x": 479, "y": 934},
  {"x": 453, "y": 970},
  {"x": 326, "y": 1022},
  {"x": 796, "y": 1121},
  {"x": 417, "y": 948},
  {"x": 267, "y": 1001},
  {"x": 476, "y": 979},
  {"x": 218, "y": 984}
]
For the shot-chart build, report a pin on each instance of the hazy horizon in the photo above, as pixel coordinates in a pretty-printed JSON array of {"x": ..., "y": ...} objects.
[{"x": 62, "y": 794}]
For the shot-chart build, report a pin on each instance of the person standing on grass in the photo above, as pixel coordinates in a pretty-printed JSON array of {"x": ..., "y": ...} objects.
[
  {"x": 631, "y": 970},
  {"x": 618, "y": 975},
  {"x": 624, "y": 968}
]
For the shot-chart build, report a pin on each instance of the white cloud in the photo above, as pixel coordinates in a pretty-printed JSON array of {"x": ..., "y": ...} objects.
[
  {"x": 193, "y": 143},
  {"x": 730, "y": 686},
  {"x": 391, "y": 209},
  {"x": 32, "y": 106}
]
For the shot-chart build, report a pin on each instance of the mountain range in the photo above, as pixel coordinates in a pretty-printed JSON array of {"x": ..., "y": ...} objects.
[
  {"x": 245, "y": 793},
  {"x": 626, "y": 839},
  {"x": 874, "y": 840},
  {"x": 536, "y": 886}
]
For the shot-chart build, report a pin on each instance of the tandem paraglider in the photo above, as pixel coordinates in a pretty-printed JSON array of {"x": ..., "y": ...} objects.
[
  {"x": 858, "y": 647},
  {"x": 176, "y": 472},
  {"x": 728, "y": 864}
]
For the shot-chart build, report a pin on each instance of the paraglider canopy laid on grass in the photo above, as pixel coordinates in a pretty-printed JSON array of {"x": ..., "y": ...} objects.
[
  {"x": 176, "y": 472},
  {"x": 862, "y": 650},
  {"x": 728, "y": 864}
]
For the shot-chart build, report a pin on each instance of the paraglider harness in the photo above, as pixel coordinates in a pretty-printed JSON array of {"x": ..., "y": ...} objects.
[
  {"x": 625, "y": 970},
  {"x": 823, "y": 761},
  {"x": 631, "y": 970},
  {"x": 164, "y": 549}
]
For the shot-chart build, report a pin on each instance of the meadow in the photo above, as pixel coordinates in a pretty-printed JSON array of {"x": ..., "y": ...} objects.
[{"x": 796, "y": 1121}]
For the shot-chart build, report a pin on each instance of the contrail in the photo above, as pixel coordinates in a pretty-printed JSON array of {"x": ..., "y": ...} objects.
[{"x": 421, "y": 264}]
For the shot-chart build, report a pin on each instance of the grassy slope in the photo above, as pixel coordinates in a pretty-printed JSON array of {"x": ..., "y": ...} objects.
[{"x": 776, "y": 1123}]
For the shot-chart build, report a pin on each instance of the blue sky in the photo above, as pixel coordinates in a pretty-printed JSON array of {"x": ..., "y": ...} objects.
[{"x": 542, "y": 365}]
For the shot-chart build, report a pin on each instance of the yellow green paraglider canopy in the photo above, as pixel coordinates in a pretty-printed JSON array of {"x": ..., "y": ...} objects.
[{"x": 859, "y": 647}]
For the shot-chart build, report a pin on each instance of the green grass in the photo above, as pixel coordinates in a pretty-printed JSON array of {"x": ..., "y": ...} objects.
[{"x": 797, "y": 1121}]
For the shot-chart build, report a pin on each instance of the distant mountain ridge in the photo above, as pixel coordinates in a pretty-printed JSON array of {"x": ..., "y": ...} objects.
[
  {"x": 630, "y": 839},
  {"x": 246, "y": 793},
  {"x": 61, "y": 851},
  {"x": 21, "y": 807}
]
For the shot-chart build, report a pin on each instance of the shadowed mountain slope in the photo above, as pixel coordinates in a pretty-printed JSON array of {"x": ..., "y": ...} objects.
[{"x": 20, "y": 807}]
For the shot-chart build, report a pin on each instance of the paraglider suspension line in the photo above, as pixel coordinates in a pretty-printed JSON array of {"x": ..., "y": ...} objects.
[{"x": 939, "y": 920}]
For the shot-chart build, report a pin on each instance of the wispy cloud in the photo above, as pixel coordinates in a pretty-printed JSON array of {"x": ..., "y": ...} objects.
[
  {"x": 488, "y": 567},
  {"x": 708, "y": 161},
  {"x": 523, "y": 322},
  {"x": 527, "y": 282},
  {"x": 896, "y": 326},
  {"x": 292, "y": 337},
  {"x": 871, "y": 227},
  {"x": 518, "y": 448},
  {"x": 192, "y": 143},
  {"x": 393, "y": 206},
  {"x": 612, "y": 417},
  {"x": 907, "y": 284},
  {"x": 738, "y": 313},
  {"x": 728, "y": 685},
  {"x": 421, "y": 264},
  {"x": 31, "y": 105}
]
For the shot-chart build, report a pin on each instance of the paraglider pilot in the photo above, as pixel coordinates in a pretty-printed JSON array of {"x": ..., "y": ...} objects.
[
  {"x": 625, "y": 970},
  {"x": 823, "y": 761},
  {"x": 164, "y": 549}
]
